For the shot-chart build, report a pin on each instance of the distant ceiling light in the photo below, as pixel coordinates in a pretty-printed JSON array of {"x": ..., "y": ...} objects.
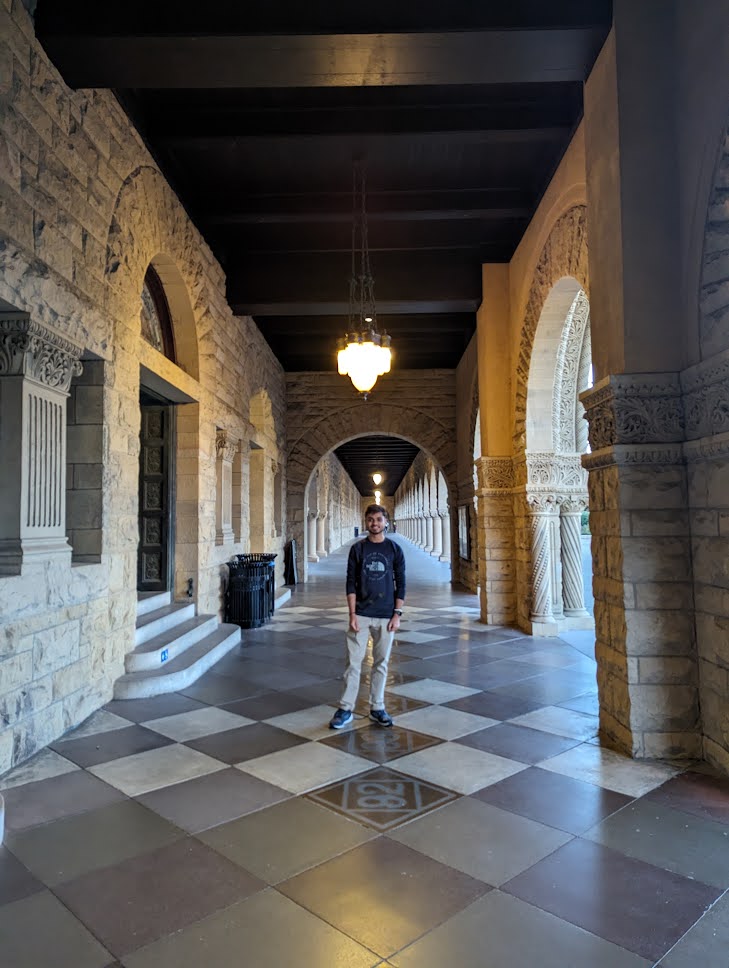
[
  {"x": 363, "y": 353},
  {"x": 377, "y": 479},
  {"x": 378, "y": 496}
]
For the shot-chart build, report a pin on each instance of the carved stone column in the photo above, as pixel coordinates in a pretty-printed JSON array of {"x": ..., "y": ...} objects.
[
  {"x": 428, "y": 534},
  {"x": 555, "y": 554},
  {"x": 497, "y": 546},
  {"x": 225, "y": 450},
  {"x": 542, "y": 509},
  {"x": 36, "y": 368},
  {"x": 573, "y": 585},
  {"x": 437, "y": 537},
  {"x": 321, "y": 535},
  {"x": 311, "y": 538},
  {"x": 445, "y": 528}
]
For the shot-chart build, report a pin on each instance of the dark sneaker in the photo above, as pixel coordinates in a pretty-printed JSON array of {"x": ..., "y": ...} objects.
[
  {"x": 381, "y": 717},
  {"x": 342, "y": 717}
]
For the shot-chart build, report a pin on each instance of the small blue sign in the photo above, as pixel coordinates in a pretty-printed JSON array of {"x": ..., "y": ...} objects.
[{"x": 165, "y": 655}]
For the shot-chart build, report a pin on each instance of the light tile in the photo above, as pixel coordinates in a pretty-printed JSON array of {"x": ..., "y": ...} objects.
[
  {"x": 312, "y": 723},
  {"x": 199, "y": 722},
  {"x": 154, "y": 769},
  {"x": 561, "y": 722},
  {"x": 443, "y": 722},
  {"x": 419, "y": 638},
  {"x": 42, "y": 766},
  {"x": 610, "y": 770},
  {"x": 432, "y": 690},
  {"x": 457, "y": 767},
  {"x": 101, "y": 722},
  {"x": 305, "y": 767}
]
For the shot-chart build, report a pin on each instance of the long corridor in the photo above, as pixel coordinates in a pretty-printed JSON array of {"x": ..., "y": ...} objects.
[{"x": 228, "y": 826}]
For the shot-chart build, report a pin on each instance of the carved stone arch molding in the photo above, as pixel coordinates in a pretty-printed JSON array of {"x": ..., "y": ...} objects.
[
  {"x": 564, "y": 255},
  {"x": 571, "y": 376},
  {"x": 149, "y": 227}
]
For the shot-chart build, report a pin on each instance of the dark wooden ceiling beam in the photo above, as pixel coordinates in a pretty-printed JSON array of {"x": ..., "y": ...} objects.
[{"x": 325, "y": 60}]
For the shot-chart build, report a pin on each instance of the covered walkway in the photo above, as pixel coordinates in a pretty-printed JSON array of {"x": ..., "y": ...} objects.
[{"x": 229, "y": 826}]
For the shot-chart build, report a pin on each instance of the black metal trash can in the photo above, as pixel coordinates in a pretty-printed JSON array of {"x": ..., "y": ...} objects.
[
  {"x": 251, "y": 590},
  {"x": 356, "y": 532}
]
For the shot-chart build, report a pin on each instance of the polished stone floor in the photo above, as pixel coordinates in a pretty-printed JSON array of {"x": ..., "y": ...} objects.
[{"x": 228, "y": 826}]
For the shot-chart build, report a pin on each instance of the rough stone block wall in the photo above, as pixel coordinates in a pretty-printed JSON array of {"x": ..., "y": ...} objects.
[
  {"x": 83, "y": 212},
  {"x": 341, "y": 500}
]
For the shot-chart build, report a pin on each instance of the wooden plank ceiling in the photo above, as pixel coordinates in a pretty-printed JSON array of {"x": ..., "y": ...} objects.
[{"x": 255, "y": 112}]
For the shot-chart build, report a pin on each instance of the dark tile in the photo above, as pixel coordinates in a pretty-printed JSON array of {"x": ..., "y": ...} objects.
[
  {"x": 214, "y": 799},
  {"x": 111, "y": 745},
  {"x": 271, "y": 676},
  {"x": 39, "y": 932},
  {"x": 547, "y": 691},
  {"x": 59, "y": 796},
  {"x": 396, "y": 705},
  {"x": 16, "y": 881},
  {"x": 626, "y": 901},
  {"x": 216, "y": 690},
  {"x": 268, "y": 705},
  {"x": 381, "y": 745},
  {"x": 696, "y": 793},
  {"x": 382, "y": 799},
  {"x": 413, "y": 894},
  {"x": 322, "y": 692},
  {"x": 142, "y": 710},
  {"x": 65, "y": 849},
  {"x": 498, "y": 673},
  {"x": 552, "y": 799},
  {"x": 134, "y": 903},
  {"x": 588, "y": 703},
  {"x": 495, "y": 705},
  {"x": 518, "y": 742},
  {"x": 245, "y": 742}
]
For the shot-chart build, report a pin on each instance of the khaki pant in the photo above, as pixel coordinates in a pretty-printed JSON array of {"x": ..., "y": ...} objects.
[{"x": 376, "y": 628}]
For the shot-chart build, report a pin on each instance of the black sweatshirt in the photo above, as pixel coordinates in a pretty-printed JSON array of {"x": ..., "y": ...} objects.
[{"x": 376, "y": 576}]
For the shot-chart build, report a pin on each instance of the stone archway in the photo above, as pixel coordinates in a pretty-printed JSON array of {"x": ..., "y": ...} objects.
[{"x": 323, "y": 434}]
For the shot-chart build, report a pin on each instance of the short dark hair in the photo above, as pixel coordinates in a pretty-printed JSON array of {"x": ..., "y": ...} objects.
[{"x": 375, "y": 509}]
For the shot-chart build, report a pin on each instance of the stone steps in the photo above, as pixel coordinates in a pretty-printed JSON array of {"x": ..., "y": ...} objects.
[{"x": 174, "y": 647}]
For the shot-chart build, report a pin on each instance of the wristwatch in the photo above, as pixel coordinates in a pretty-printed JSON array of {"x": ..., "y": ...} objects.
[{"x": 397, "y": 611}]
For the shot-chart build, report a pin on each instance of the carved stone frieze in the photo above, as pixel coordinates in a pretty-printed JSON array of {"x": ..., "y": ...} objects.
[
  {"x": 639, "y": 454},
  {"x": 29, "y": 349},
  {"x": 638, "y": 408},
  {"x": 495, "y": 473},
  {"x": 706, "y": 397},
  {"x": 555, "y": 471},
  {"x": 225, "y": 445}
]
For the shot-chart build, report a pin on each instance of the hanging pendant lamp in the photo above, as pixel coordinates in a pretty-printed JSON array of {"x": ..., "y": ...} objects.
[{"x": 363, "y": 353}]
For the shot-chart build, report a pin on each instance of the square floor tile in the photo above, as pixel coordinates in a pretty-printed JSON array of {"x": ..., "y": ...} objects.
[
  {"x": 414, "y": 894},
  {"x": 548, "y": 691},
  {"x": 518, "y": 742},
  {"x": 139, "y": 710},
  {"x": 111, "y": 745},
  {"x": 285, "y": 839},
  {"x": 501, "y": 931},
  {"x": 457, "y": 767},
  {"x": 608, "y": 769},
  {"x": 562, "y": 722},
  {"x": 246, "y": 743},
  {"x": 699, "y": 794},
  {"x": 268, "y": 705},
  {"x": 432, "y": 691},
  {"x": 16, "y": 881},
  {"x": 155, "y": 894},
  {"x": 198, "y": 722},
  {"x": 380, "y": 745},
  {"x": 706, "y": 944},
  {"x": 65, "y": 849},
  {"x": 443, "y": 722},
  {"x": 42, "y": 766},
  {"x": 670, "y": 839},
  {"x": 279, "y": 932},
  {"x": 100, "y": 722},
  {"x": 588, "y": 703},
  {"x": 493, "y": 706},
  {"x": 304, "y": 767},
  {"x": 40, "y": 931},
  {"x": 552, "y": 799},
  {"x": 481, "y": 840},
  {"x": 143, "y": 772},
  {"x": 382, "y": 798},
  {"x": 311, "y": 723},
  {"x": 632, "y": 904},
  {"x": 216, "y": 690},
  {"x": 213, "y": 799},
  {"x": 60, "y": 796}
]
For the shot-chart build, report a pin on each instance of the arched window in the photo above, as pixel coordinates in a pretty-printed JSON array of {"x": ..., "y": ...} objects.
[{"x": 155, "y": 315}]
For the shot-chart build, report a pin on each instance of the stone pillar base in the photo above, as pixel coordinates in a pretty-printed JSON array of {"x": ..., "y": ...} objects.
[
  {"x": 313, "y": 558},
  {"x": 545, "y": 628}
]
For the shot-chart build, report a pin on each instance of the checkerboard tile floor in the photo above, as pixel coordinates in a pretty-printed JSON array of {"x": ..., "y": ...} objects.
[{"x": 487, "y": 828}]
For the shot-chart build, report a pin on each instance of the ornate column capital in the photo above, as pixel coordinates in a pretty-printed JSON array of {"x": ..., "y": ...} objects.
[
  {"x": 543, "y": 502},
  {"x": 34, "y": 351},
  {"x": 495, "y": 473},
  {"x": 574, "y": 504},
  {"x": 225, "y": 446}
]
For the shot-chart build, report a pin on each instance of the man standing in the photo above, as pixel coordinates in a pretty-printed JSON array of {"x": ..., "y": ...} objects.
[{"x": 375, "y": 595}]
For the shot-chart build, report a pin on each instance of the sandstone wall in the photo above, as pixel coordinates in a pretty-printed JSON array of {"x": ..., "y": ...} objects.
[{"x": 83, "y": 212}]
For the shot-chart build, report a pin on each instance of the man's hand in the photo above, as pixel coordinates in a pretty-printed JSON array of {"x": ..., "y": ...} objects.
[
  {"x": 353, "y": 623},
  {"x": 394, "y": 624}
]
